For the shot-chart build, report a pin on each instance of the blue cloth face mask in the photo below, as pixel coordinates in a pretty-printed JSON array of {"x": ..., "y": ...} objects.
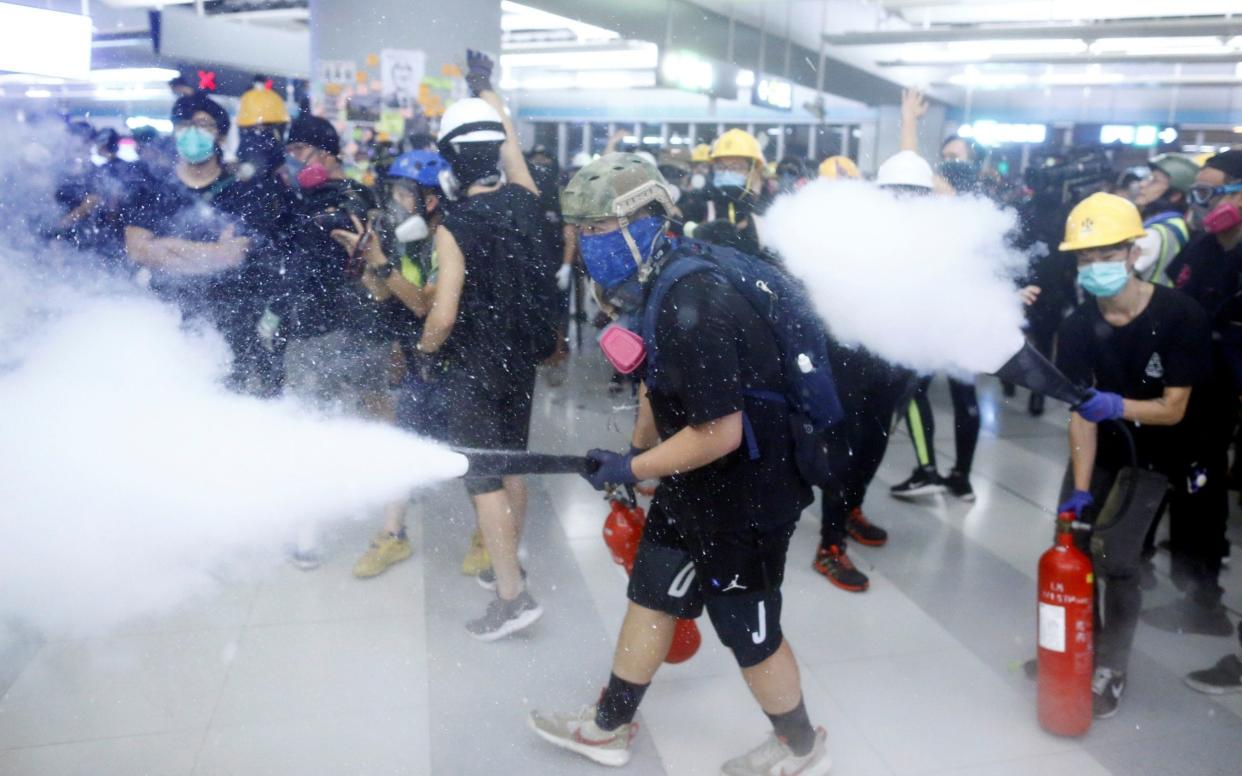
[
  {"x": 195, "y": 145},
  {"x": 724, "y": 179},
  {"x": 608, "y": 258},
  {"x": 1103, "y": 278}
]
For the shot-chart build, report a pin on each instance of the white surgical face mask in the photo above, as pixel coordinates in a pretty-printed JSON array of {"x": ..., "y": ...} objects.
[
  {"x": 698, "y": 181},
  {"x": 412, "y": 229}
]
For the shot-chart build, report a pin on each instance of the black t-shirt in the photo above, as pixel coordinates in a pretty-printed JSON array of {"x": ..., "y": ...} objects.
[
  {"x": 1212, "y": 276},
  {"x": 499, "y": 235},
  {"x": 1168, "y": 345},
  {"x": 714, "y": 348},
  {"x": 257, "y": 209},
  {"x": 323, "y": 293}
]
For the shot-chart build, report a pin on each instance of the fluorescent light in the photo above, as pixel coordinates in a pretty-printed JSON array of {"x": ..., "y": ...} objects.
[
  {"x": 128, "y": 75},
  {"x": 162, "y": 125},
  {"x": 128, "y": 94},
  {"x": 688, "y": 71},
  {"x": 974, "y": 77},
  {"x": 745, "y": 79},
  {"x": 33, "y": 40},
  {"x": 644, "y": 57},
  {"x": 38, "y": 94},
  {"x": 992, "y": 133}
]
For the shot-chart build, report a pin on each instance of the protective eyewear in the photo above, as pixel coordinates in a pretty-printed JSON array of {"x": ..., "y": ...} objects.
[{"x": 1201, "y": 195}]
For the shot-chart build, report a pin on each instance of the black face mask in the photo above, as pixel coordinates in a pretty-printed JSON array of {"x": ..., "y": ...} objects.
[
  {"x": 963, "y": 176},
  {"x": 474, "y": 162},
  {"x": 262, "y": 150}
]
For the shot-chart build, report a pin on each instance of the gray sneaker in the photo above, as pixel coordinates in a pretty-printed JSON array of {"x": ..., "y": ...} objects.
[
  {"x": 505, "y": 617},
  {"x": 773, "y": 757},
  {"x": 577, "y": 732}
]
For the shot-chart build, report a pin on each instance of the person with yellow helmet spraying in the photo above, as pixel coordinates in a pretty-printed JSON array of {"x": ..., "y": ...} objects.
[{"x": 1141, "y": 348}]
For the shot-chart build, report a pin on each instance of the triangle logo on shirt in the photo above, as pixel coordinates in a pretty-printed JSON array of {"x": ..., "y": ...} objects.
[{"x": 1155, "y": 368}]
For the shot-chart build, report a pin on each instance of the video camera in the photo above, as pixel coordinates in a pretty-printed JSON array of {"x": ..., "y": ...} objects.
[{"x": 1072, "y": 179}]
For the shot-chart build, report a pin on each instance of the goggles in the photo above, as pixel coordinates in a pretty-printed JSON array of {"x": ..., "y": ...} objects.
[{"x": 1201, "y": 195}]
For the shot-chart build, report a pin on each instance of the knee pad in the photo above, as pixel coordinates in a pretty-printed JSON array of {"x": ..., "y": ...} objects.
[
  {"x": 1133, "y": 503},
  {"x": 749, "y": 624}
]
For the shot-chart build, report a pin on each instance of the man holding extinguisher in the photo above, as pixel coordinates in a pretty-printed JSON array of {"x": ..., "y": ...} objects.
[{"x": 1141, "y": 348}]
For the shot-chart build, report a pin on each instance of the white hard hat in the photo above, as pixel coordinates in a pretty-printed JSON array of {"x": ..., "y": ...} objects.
[
  {"x": 905, "y": 168},
  {"x": 471, "y": 121},
  {"x": 581, "y": 159}
]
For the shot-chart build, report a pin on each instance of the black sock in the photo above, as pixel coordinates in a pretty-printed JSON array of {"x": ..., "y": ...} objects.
[
  {"x": 794, "y": 728},
  {"x": 618, "y": 703}
]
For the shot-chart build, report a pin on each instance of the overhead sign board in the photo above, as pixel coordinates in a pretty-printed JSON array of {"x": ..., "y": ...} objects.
[{"x": 47, "y": 43}]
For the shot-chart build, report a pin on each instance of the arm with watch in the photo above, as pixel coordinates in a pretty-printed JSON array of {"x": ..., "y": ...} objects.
[{"x": 381, "y": 275}]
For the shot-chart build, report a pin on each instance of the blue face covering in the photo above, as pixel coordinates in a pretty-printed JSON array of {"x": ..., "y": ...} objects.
[
  {"x": 608, "y": 259},
  {"x": 723, "y": 179},
  {"x": 1104, "y": 278},
  {"x": 195, "y": 145}
]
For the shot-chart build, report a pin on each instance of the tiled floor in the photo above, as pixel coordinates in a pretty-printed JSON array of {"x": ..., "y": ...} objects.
[{"x": 317, "y": 673}]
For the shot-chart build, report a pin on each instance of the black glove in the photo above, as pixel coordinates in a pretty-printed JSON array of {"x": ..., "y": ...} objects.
[{"x": 478, "y": 72}]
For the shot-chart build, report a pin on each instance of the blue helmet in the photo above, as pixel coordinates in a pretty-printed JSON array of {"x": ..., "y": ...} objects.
[{"x": 422, "y": 167}]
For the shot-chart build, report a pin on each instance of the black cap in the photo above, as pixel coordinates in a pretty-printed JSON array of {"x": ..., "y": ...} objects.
[
  {"x": 316, "y": 132},
  {"x": 185, "y": 108},
  {"x": 1230, "y": 163}
]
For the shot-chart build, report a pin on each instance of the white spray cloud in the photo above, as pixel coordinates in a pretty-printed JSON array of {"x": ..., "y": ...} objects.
[
  {"x": 924, "y": 282},
  {"x": 130, "y": 479}
]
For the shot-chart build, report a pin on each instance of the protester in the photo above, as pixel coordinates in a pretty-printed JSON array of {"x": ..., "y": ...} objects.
[
  {"x": 721, "y": 520},
  {"x": 1162, "y": 200},
  {"x": 484, "y": 327},
  {"x": 1143, "y": 349}
]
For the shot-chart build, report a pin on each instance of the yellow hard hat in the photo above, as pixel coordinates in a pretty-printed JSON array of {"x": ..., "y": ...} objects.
[
  {"x": 261, "y": 106},
  {"x": 1101, "y": 220},
  {"x": 835, "y": 167},
  {"x": 738, "y": 142},
  {"x": 701, "y": 153}
]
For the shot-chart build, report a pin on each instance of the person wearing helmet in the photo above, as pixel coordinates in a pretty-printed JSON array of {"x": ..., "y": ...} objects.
[
  {"x": 1141, "y": 348},
  {"x": 1162, "y": 200},
  {"x": 262, "y": 120},
  {"x": 839, "y": 167},
  {"x": 486, "y": 327},
  {"x": 736, "y": 184},
  {"x": 1208, "y": 270},
  {"x": 400, "y": 273},
  {"x": 721, "y": 518},
  {"x": 907, "y": 173}
]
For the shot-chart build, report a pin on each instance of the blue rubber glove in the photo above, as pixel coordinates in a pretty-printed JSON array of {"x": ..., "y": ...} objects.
[
  {"x": 1101, "y": 406},
  {"x": 478, "y": 72},
  {"x": 612, "y": 469},
  {"x": 1076, "y": 503}
]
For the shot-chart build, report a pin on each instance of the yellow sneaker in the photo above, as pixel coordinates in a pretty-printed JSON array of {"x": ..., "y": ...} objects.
[
  {"x": 385, "y": 550},
  {"x": 476, "y": 559}
]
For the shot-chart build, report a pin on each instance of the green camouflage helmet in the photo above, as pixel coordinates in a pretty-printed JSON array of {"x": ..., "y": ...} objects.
[
  {"x": 614, "y": 186},
  {"x": 1181, "y": 171}
]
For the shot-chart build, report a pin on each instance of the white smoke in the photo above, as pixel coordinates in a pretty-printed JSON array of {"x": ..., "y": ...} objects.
[
  {"x": 924, "y": 282},
  {"x": 130, "y": 479}
]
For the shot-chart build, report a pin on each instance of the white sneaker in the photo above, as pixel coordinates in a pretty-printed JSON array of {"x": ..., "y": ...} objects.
[
  {"x": 773, "y": 758},
  {"x": 577, "y": 732}
]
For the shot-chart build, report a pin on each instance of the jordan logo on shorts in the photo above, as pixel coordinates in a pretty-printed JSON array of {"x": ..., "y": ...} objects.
[{"x": 734, "y": 585}]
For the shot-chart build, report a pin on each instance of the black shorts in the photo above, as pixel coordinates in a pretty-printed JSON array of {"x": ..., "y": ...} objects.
[
  {"x": 487, "y": 409},
  {"x": 735, "y": 575}
]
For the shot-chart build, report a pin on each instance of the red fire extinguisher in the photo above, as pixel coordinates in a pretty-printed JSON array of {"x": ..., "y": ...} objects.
[
  {"x": 1066, "y": 653},
  {"x": 623, "y": 529}
]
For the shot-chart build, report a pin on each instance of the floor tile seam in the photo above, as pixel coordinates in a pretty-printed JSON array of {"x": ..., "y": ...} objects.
[
  {"x": 228, "y": 671},
  {"x": 97, "y": 739}
]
